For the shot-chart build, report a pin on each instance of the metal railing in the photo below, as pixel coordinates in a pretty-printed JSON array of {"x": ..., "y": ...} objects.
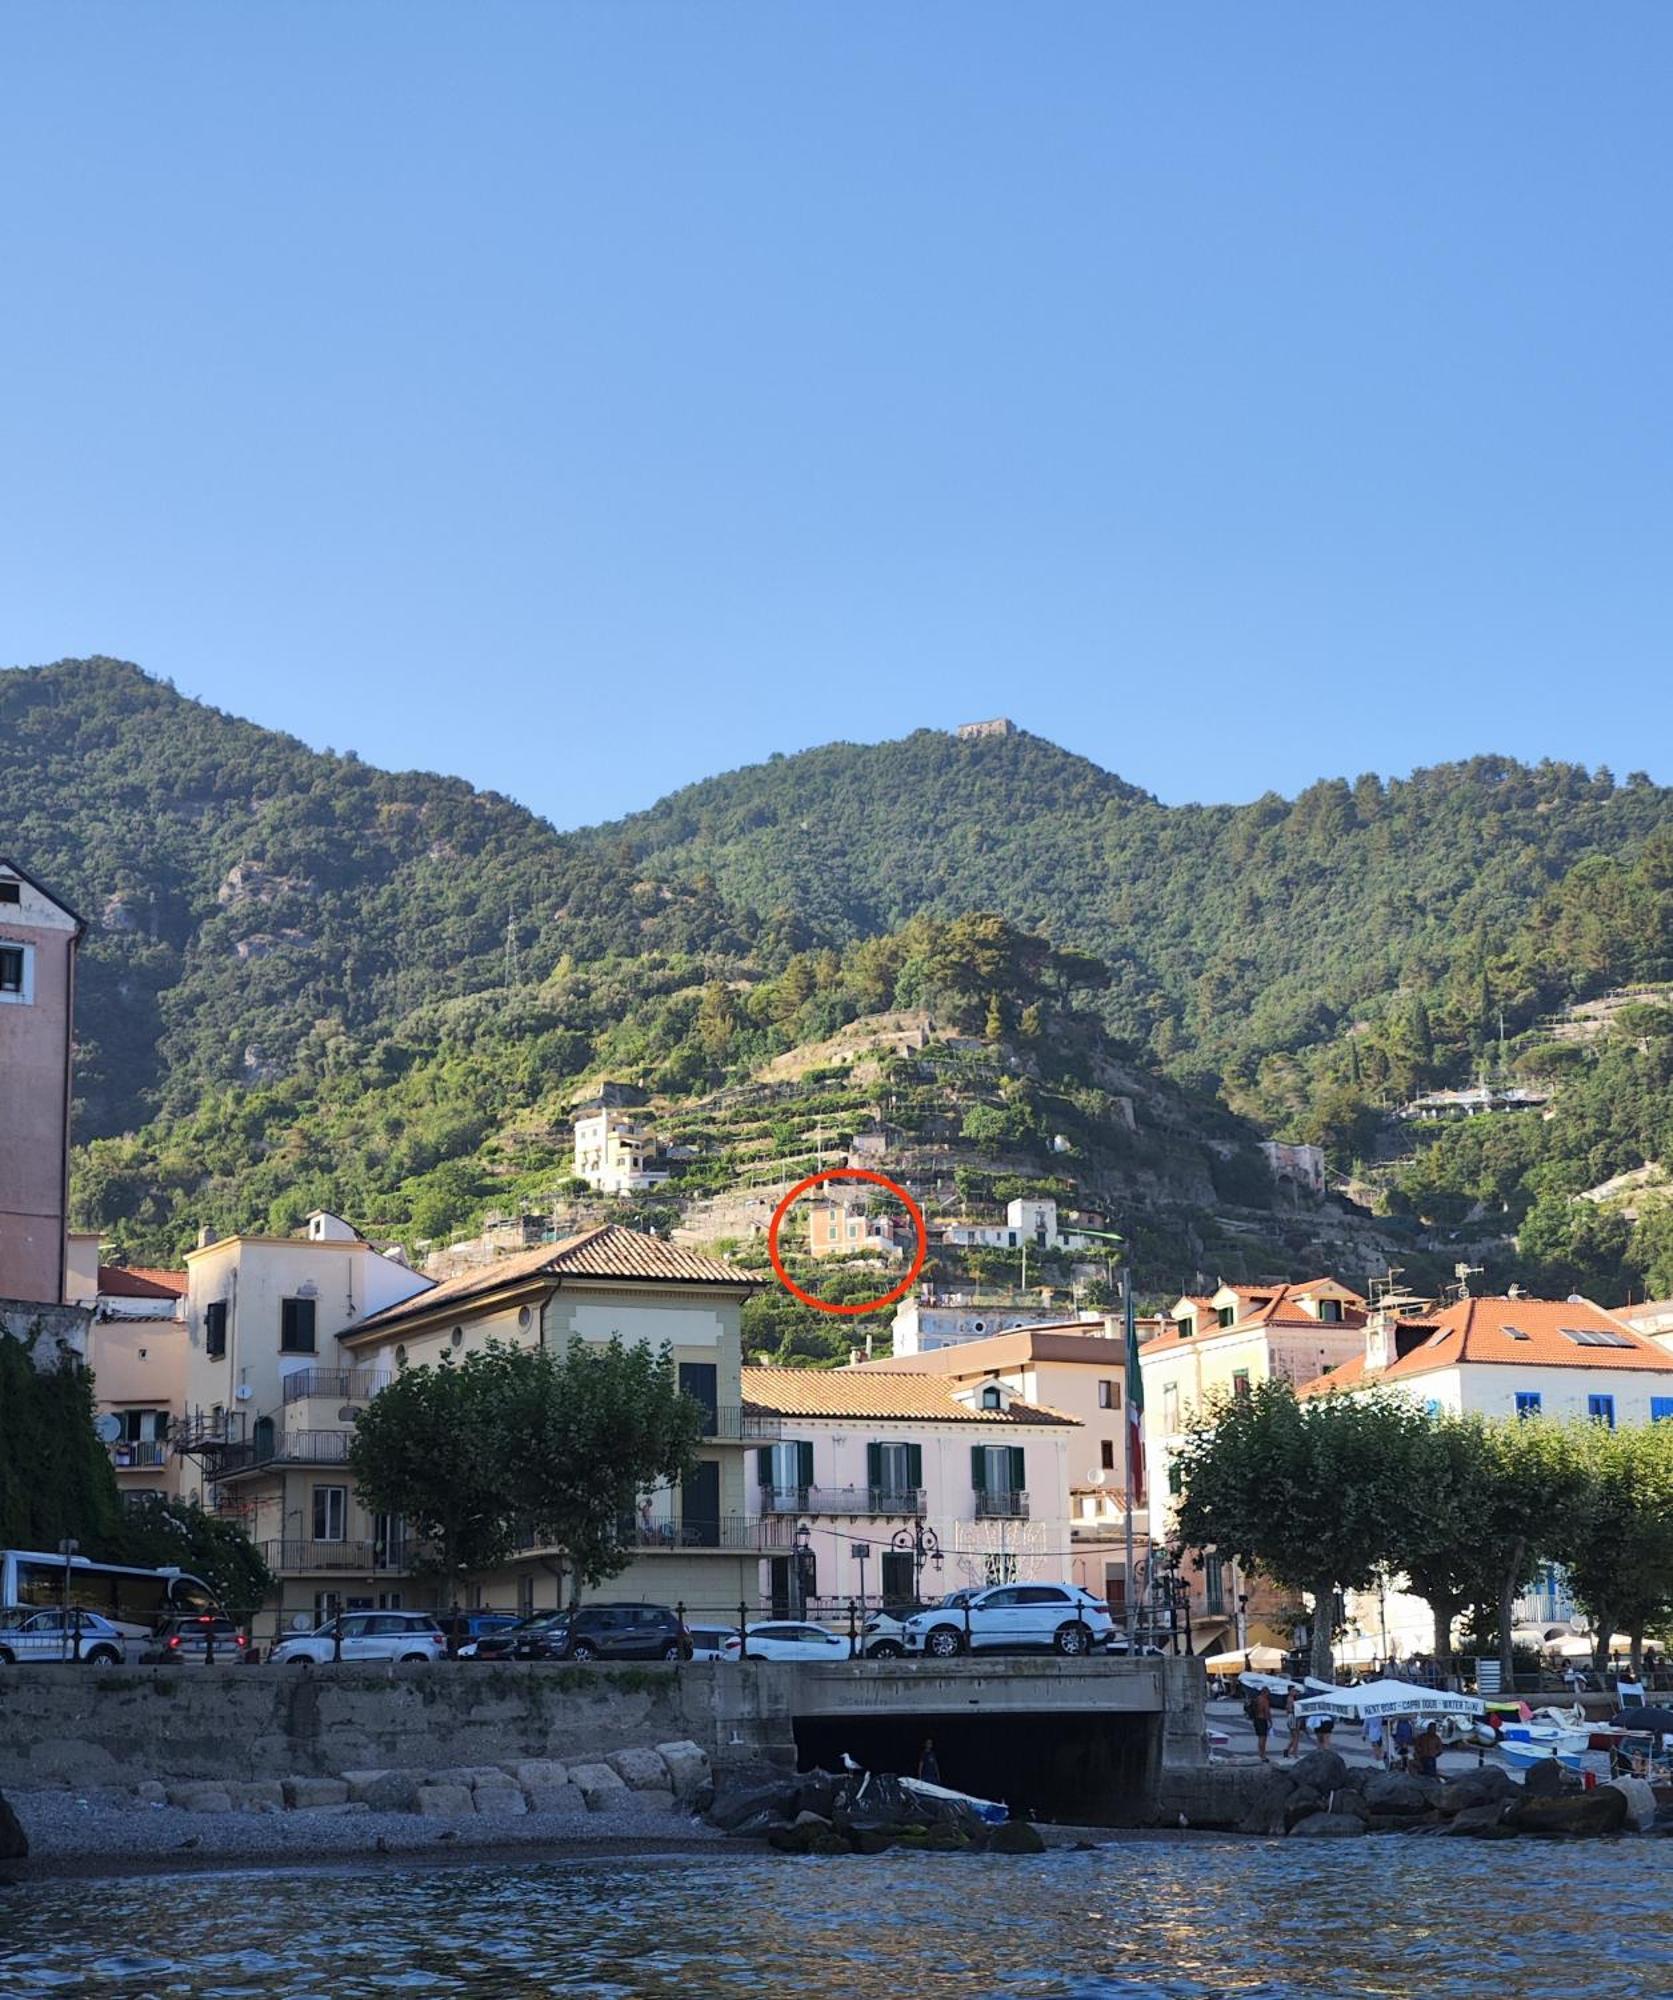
[
  {"x": 999, "y": 1505},
  {"x": 131, "y": 1455},
  {"x": 364, "y": 1558},
  {"x": 282, "y": 1447},
  {"x": 875, "y": 1502},
  {"x": 346, "y": 1385},
  {"x": 725, "y": 1531},
  {"x": 737, "y": 1426}
]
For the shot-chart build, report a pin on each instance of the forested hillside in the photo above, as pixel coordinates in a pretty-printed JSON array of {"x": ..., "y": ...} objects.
[{"x": 310, "y": 979}]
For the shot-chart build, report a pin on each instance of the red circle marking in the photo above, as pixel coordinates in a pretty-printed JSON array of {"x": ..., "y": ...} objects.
[{"x": 847, "y": 1174}]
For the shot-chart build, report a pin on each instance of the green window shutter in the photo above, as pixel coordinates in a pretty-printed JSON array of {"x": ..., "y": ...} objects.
[
  {"x": 915, "y": 1466},
  {"x": 874, "y": 1465},
  {"x": 804, "y": 1462},
  {"x": 1019, "y": 1469},
  {"x": 979, "y": 1467},
  {"x": 764, "y": 1465}
]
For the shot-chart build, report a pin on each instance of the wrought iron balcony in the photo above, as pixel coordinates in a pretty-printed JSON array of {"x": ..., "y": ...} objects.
[
  {"x": 739, "y": 1426},
  {"x": 137, "y": 1454},
  {"x": 277, "y": 1446},
  {"x": 999, "y": 1505},
  {"x": 869, "y": 1502},
  {"x": 341, "y": 1385},
  {"x": 717, "y": 1532},
  {"x": 314, "y": 1558}
]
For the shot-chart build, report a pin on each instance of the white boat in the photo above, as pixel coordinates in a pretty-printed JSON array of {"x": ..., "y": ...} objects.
[{"x": 985, "y": 1809}]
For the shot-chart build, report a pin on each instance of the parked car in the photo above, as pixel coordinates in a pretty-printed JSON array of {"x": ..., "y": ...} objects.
[
  {"x": 502, "y": 1644},
  {"x": 1013, "y": 1615},
  {"x": 43, "y": 1637},
  {"x": 708, "y": 1642},
  {"x": 186, "y": 1642},
  {"x": 606, "y": 1632},
  {"x": 366, "y": 1635},
  {"x": 782, "y": 1641},
  {"x": 466, "y": 1629},
  {"x": 885, "y": 1630}
]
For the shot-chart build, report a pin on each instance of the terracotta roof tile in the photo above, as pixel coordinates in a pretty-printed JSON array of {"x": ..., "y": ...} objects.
[
  {"x": 1479, "y": 1332},
  {"x": 1280, "y": 1307},
  {"x": 140, "y": 1281},
  {"x": 858, "y": 1392},
  {"x": 607, "y": 1252}
]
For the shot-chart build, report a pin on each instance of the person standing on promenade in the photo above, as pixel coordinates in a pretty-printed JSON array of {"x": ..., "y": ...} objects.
[
  {"x": 1293, "y": 1711},
  {"x": 1427, "y": 1750},
  {"x": 1260, "y": 1714},
  {"x": 928, "y": 1768}
]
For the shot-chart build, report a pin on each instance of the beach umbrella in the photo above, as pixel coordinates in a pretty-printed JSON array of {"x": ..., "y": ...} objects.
[
  {"x": 1257, "y": 1659},
  {"x": 1382, "y": 1698}
]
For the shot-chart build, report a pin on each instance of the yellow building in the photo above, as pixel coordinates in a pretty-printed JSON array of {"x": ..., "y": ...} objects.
[{"x": 698, "y": 1545}]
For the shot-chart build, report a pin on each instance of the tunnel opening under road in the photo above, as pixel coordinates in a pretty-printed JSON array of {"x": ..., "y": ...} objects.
[{"x": 1078, "y": 1767}]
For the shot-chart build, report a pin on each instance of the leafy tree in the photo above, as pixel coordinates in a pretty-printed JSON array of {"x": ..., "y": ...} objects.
[
  {"x": 1619, "y": 1552},
  {"x": 157, "y": 1533},
  {"x": 1318, "y": 1494},
  {"x": 56, "y": 1481}
]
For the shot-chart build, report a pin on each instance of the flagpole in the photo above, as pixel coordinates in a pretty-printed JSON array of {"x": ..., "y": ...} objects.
[{"x": 1129, "y": 1321}]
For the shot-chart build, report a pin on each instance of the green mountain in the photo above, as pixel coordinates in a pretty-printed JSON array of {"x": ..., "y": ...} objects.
[{"x": 308, "y": 980}]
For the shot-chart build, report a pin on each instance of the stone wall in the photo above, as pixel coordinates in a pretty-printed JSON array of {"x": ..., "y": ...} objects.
[{"x": 63, "y": 1725}]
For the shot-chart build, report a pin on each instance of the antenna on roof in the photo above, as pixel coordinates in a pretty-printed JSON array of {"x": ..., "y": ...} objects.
[{"x": 1464, "y": 1273}]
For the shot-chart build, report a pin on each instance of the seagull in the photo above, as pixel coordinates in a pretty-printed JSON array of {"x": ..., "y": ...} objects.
[{"x": 848, "y": 1763}]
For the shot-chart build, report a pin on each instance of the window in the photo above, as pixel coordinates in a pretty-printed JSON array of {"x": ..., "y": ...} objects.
[
  {"x": 11, "y": 892},
  {"x": 1240, "y": 1382},
  {"x": 1214, "y": 1585},
  {"x": 1529, "y": 1402},
  {"x": 894, "y": 1472},
  {"x": 331, "y": 1509},
  {"x": 1106, "y": 1453},
  {"x": 991, "y": 1399},
  {"x": 1514, "y": 1333},
  {"x": 15, "y": 968},
  {"x": 1601, "y": 1410},
  {"x": 1661, "y": 1409},
  {"x": 1109, "y": 1395},
  {"x": 1227, "y": 1315},
  {"x": 997, "y": 1468},
  {"x": 296, "y": 1326},
  {"x": 1170, "y": 1407},
  {"x": 215, "y": 1329},
  {"x": 1330, "y": 1310}
]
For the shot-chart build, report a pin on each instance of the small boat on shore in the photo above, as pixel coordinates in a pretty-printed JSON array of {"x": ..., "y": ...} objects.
[{"x": 995, "y": 1815}]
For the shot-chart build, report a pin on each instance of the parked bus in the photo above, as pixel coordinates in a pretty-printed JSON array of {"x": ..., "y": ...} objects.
[{"x": 136, "y": 1599}]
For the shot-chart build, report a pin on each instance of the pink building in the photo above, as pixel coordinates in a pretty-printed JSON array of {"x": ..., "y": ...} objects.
[{"x": 38, "y": 939}]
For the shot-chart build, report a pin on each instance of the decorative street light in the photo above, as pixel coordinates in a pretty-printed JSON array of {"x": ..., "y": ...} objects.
[
  {"x": 802, "y": 1553},
  {"x": 920, "y": 1543}
]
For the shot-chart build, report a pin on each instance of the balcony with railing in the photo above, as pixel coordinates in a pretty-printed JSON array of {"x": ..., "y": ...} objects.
[
  {"x": 855, "y": 1502},
  {"x": 139, "y": 1454},
  {"x": 337, "y": 1385},
  {"x": 1002, "y": 1504},
  {"x": 723, "y": 1533},
  {"x": 738, "y": 1426},
  {"x": 271, "y": 1444},
  {"x": 289, "y": 1558}
]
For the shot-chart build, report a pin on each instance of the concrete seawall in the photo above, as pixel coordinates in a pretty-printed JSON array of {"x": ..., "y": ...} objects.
[{"x": 83, "y": 1726}]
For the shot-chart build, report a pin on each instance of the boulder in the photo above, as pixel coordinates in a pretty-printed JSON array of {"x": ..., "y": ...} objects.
[
  {"x": 1325, "y": 1770},
  {"x": 304, "y": 1792},
  {"x": 564, "y": 1801},
  {"x": 1301, "y": 1804},
  {"x": 500, "y": 1800},
  {"x": 1348, "y": 1801},
  {"x": 598, "y": 1785},
  {"x": 1545, "y": 1780},
  {"x": 774, "y": 1801},
  {"x": 1015, "y": 1836},
  {"x": 809, "y": 1819},
  {"x": 688, "y": 1769},
  {"x": 14, "y": 1842},
  {"x": 1641, "y": 1803},
  {"x": 1491, "y": 1785},
  {"x": 383, "y": 1791},
  {"x": 472, "y": 1775},
  {"x": 538, "y": 1774},
  {"x": 1483, "y": 1822},
  {"x": 1581, "y": 1815},
  {"x": 1270, "y": 1806},
  {"x": 640, "y": 1770},
  {"x": 1397, "y": 1792},
  {"x": 1328, "y": 1826},
  {"x": 257, "y": 1795},
  {"x": 443, "y": 1801},
  {"x": 200, "y": 1798}
]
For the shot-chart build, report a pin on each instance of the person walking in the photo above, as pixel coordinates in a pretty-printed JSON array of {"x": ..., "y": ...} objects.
[
  {"x": 1292, "y": 1709},
  {"x": 928, "y": 1769},
  {"x": 1260, "y": 1714},
  {"x": 1404, "y": 1737},
  {"x": 1372, "y": 1729}
]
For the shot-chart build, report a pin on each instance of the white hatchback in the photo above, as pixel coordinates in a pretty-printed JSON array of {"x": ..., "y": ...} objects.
[
  {"x": 1061, "y": 1616},
  {"x": 366, "y": 1635},
  {"x": 43, "y": 1637},
  {"x": 789, "y": 1642}
]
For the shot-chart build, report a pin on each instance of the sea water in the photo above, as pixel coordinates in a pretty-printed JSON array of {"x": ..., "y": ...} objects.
[{"x": 1191, "y": 1919}]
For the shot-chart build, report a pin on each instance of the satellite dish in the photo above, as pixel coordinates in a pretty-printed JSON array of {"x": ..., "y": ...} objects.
[
  {"x": 108, "y": 1428},
  {"x": 1099, "y": 1476}
]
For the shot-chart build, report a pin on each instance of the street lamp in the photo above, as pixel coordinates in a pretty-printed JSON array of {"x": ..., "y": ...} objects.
[
  {"x": 802, "y": 1546},
  {"x": 920, "y": 1543}
]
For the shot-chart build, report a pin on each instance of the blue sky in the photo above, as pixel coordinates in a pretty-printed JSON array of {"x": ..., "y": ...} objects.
[{"x": 589, "y": 398}]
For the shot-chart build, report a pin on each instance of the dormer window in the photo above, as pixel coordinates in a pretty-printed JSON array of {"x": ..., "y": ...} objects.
[
  {"x": 1331, "y": 1310},
  {"x": 991, "y": 1399},
  {"x": 1227, "y": 1316}
]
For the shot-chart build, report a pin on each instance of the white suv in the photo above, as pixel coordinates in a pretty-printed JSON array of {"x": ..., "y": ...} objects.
[
  {"x": 1060, "y": 1615},
  {"x": 367, "y": 1635}
]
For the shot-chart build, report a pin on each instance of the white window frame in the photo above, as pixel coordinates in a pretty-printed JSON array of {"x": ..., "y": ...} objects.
[{"x": 25, "y": 995}]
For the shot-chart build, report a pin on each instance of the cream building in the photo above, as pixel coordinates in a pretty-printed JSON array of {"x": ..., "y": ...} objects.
[
  {"x": 613, "y": 1155},
  {"x": 136, "y": 1350},
  {"x": 1076, "y": 1367},
  {"x": 941, "y": 1484}
]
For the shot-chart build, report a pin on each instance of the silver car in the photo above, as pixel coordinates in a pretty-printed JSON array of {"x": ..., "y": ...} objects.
[
  {"x": 365, "y": 1635},
  {"x": 46, "y": 1637}
]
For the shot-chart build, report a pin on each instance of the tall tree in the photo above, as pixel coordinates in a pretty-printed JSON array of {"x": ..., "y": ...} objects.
[
  {"x": 159, "y": 1533},
  {"x": 1620, "y": 1544}
]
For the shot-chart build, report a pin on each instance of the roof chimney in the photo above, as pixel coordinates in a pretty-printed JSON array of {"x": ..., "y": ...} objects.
[{"x": 206, "y": 1236}]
